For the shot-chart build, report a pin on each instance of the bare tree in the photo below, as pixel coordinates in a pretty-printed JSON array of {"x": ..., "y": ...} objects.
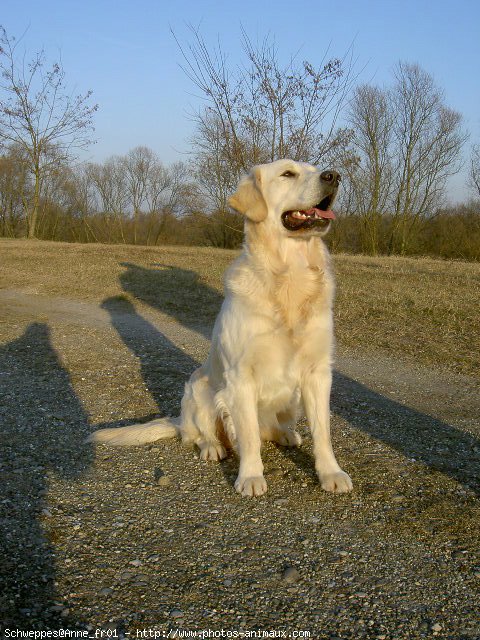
[
  {"x": 262, "y": 111},
  {"x": 428, "y": 139},
  {"x": 140, "y": 194},
  {"x": 14, "y": 190},
  {"x": 138, "y": 165},
  {"x": 81, "y": 202},
  {"x": 110, "y": 185},
  {"x": 406, "y": 144},
  {"x": 210, "y": 167},
  {"x": 474, "y": 174},
  {"x": 170, "y": 192},
  {"x": 367, "y": 165},
  {"x": 38, "y": 115}
]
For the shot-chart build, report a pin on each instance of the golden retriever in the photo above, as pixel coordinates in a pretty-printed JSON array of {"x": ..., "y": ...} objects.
[{"x": 271, "y": 349}]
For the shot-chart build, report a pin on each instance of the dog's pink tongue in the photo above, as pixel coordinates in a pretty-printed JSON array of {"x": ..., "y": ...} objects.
[{"x": 321, "y": 214}]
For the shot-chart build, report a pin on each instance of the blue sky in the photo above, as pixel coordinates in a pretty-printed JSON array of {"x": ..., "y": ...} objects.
[{"x": 125, "y": 53}]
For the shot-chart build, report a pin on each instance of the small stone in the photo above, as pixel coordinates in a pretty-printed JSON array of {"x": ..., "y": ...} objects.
[
  {"x": 176, "y": 613},
  {"x": 157, "y": 473},
  {"x": 57, "y": 608},
  {"x": 275, "y": 472},
  {"x": 164, "y": 481},
  {"x": 281, "y": 501},
  {"x": 398, "y": 498},
  {"x": 141, "y": 579},
  {"x": 437, "y": 627},
  {"x": 46, "y": 513},
  {"x": 291, "y": 575},
  {"x": 126, "y": 575},
  {"x": 135, "y": 563},
  {"x": 106, "y": 591},
  {"x": 227, "y": 583},
  {"x": 153, "y": 558}
]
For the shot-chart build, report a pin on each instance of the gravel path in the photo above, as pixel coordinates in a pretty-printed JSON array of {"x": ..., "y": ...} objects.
[{"x": 122, "y": 540}]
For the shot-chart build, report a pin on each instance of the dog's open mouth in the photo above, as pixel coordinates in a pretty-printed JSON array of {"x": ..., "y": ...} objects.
[{"x": 318, "y": 216}]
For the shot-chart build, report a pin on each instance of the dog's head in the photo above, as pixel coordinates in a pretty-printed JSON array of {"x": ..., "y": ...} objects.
[{"x": 293, "y": 196}]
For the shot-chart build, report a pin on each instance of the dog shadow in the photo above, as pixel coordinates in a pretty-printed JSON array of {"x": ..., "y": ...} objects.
[
  {"x": 180, "y": 294},
  {"x": 43, "y": 426}
]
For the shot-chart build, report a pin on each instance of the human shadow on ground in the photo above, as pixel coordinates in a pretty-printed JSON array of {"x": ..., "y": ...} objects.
[
  {"x": 179, "y": 293},
  {"x": 43, "y": 426},
  {"x": 164, "y": 367}
]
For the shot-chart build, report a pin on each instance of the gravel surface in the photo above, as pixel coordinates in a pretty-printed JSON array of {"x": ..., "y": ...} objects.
[{"x": 122, "y": 540}]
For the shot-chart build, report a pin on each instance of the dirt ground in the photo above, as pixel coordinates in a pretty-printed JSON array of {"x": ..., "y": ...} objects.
[{"x": 150, "y": 538}]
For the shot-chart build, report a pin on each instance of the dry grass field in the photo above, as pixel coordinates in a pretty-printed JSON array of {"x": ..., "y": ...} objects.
[
  {"x": 421, "y": 309},
  {"x": 152, "y": 538}
]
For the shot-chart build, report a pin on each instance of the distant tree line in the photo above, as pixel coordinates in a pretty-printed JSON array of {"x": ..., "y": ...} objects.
[
  {"x": 396, "y": 149},
  {"x": 132, "y": 199}
]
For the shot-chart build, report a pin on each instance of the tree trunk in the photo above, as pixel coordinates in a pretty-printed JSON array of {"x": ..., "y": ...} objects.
[{"x": 33, "y": 219}]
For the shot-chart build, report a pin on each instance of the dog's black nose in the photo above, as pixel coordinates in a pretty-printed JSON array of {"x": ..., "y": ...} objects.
[{"x": 330, "y": 176}]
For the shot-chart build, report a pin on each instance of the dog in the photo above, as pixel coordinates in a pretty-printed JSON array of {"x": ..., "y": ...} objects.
[{"x": 271, "y": 349}]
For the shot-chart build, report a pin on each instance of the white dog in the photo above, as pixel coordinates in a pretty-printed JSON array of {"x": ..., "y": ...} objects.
[{"x": 271, "y": 347}]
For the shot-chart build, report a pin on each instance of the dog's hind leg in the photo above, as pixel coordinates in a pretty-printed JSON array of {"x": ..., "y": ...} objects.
[
  {"x": 199, "y": 417},
  {"x": 280, "y": 428},
  {"x": 286, "y": 425}
]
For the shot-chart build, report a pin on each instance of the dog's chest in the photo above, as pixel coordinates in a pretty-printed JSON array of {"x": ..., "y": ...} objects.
[{"x": 298, "y": 292}]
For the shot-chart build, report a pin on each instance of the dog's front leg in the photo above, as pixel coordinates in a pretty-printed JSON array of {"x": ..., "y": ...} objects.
[
  {"x": 316, "y": 388},
  {"x": 242, "y": 406}
]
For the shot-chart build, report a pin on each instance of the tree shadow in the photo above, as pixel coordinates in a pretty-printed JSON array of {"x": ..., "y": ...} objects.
[
  {"x": 439, "y": 445},
  {"x": 180, "y": 294},
  {"x": 43, "y": 426},
  {"x": 176, "y": 292}
]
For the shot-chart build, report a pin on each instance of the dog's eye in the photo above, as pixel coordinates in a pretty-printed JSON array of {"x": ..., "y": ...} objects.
[{"x": 289, "y": 174}]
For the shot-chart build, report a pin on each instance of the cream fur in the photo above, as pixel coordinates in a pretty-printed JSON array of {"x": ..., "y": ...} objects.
[{"x": 271, "y": 348}]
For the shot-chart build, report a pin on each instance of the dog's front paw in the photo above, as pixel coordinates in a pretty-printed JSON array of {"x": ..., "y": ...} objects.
[
  {"x": 255, "y": 486},
  {"x": 337, "y": 482}
]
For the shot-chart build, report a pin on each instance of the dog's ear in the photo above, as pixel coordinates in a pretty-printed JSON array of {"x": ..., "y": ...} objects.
[{"x": 248, "y": 198}]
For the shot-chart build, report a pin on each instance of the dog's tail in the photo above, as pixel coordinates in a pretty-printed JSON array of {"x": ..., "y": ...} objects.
[{"x": 137, "y": 434}]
